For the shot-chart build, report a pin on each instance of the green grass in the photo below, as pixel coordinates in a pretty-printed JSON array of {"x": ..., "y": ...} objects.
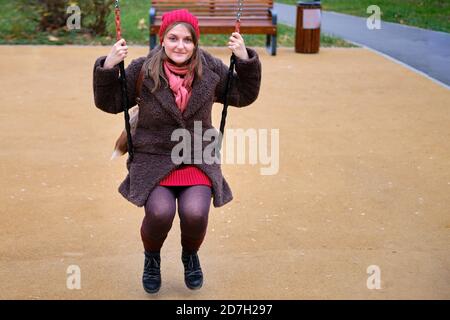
[
  {"x": 17, "y": 28},
  {"x": 428, "y": 14}
]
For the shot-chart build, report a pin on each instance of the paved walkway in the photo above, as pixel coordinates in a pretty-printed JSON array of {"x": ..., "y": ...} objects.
[{"x": 425, "y": 50}]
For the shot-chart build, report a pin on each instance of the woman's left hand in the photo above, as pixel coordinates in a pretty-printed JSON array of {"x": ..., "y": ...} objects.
[{"x": 237, "y": 46}]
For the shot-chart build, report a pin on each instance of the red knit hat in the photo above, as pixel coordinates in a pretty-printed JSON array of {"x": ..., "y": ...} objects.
[{"x": 180, "y": 15}]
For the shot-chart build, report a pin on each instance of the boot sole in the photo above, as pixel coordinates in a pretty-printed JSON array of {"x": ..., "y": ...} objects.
[
  {"x": 193, "y": 288},
  {"x": 151, "y": 291}
]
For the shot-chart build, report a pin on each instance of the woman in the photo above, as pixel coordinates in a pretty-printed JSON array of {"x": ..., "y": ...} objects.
[{"x": 181, "y": 83}]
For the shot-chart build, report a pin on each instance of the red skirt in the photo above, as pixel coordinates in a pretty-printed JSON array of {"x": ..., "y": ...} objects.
[{"x": 187, "y": 175}]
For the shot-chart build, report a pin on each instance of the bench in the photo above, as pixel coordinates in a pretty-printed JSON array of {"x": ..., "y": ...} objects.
[{"x": 219, "y": 17}]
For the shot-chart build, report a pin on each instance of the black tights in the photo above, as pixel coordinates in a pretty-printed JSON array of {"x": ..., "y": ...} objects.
[{"x": 193, "y": 209}]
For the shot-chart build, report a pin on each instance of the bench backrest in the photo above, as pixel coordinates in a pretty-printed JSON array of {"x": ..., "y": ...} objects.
[{"x": 215, "y": 8}]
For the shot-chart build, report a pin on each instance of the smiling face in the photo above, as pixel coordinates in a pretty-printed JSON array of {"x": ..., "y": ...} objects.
[{"x": 179, "y": 44}]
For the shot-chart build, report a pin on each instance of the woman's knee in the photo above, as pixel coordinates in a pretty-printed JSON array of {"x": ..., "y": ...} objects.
[
  {"x": 194, "y": 216},
  {"x": 160, "y": 208},
  {"x": 160, "y": 214},
  {"x": 194, "y": 202}
]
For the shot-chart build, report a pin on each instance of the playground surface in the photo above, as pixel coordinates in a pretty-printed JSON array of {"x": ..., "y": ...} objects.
[{"x": 363, "y": 183}]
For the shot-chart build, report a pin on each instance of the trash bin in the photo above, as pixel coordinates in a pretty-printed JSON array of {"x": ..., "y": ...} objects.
[{"x": 307, "y": 32}]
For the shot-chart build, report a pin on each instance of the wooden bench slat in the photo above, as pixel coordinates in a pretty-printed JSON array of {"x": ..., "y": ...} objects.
[
  {"x": 227, "y": 11},
  {"x": 230, "y": 14},
  {"x": 206, "y": 8},
  {"x": 167, "y": 7},
  {"x": 181, "y": 2},
  {"x": 202, "y": 3},
  {"x": 211, "y": 1},
  {"x": 222, "y": 22},
  {"x": 229, "y": 25},
  {"x": 183, "y": 5},
  {"x": 247, "y": 19},
  {"x": 219, "y": 19},
  {"x": 229, "y": 29}
]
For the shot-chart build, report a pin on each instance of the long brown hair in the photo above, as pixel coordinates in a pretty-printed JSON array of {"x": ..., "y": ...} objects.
[{"x": 154, "y": 66}]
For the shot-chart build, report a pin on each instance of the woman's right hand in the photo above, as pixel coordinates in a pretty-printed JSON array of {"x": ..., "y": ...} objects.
[{"x": 118, "y": 53}]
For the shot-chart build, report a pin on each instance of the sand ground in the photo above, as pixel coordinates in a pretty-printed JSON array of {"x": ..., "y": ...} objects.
[{"x": 363, "y": 180}]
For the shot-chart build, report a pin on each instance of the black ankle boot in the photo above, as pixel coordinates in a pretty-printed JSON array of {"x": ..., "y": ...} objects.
[
  {"x": 193, "y": 276},
  {"x": 151, "y": 279}
]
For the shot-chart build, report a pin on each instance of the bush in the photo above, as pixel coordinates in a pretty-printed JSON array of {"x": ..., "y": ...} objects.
[
  {"x": 51, "y": 15},
  {"x": 97, "y": 13}
]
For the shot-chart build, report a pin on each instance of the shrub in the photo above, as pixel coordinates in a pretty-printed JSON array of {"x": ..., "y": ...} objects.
[{"x": 51, "y": 15}]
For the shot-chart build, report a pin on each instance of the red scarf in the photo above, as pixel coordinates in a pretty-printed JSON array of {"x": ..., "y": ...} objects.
[{"x": 181, "y": 87}]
